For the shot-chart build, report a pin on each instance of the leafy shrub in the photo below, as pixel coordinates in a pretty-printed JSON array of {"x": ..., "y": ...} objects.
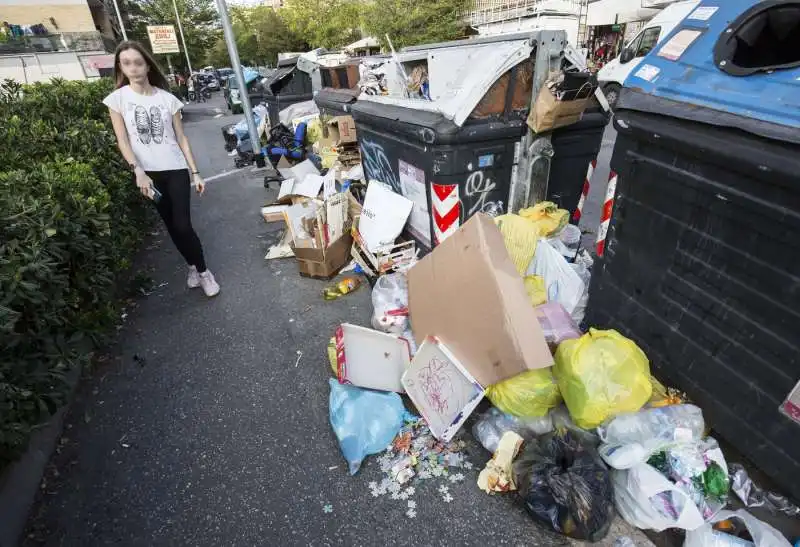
[{"x": 71, "y": 220}]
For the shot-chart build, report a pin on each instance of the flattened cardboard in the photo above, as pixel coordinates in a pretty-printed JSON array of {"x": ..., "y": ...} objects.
[
  {"x": 441, "y": 388},
  {"x": 274, "y": 213},
  {"x": 468, "y": 293},
  {"x": 370, "y": 358}
]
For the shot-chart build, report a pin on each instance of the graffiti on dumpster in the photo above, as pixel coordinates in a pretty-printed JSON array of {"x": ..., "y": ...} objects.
[
  {"x": 377, "y": 165},
  {"x": 477, "y": 193}
]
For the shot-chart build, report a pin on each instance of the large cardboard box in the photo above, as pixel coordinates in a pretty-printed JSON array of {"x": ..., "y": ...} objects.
[{"x": 468, "y": 293}]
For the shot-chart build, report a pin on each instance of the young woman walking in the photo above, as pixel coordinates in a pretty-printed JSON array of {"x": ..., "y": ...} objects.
[{"x": 147, "y": 121}]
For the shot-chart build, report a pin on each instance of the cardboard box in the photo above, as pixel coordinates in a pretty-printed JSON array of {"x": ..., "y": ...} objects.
[
  {"x": 339, "y": 130},
  {"x": 468, "y": 293},
  {"x": 441, "y": 388},
  {"x": 324, "y": 263}
]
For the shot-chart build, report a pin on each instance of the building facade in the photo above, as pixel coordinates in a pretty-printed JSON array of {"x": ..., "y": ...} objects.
[{"x": 45, "y": 39}]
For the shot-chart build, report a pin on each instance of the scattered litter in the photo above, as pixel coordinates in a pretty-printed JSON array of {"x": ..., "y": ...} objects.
[
  {"x": 411, "y": 513},
  {"x": 497, "y": 476},
  {"x": 447, "y": 498},
  {"x": 341, "y": 288},
  {"x": 753, "y": 496},
  {"x": 299, "y": 356},
  {"x": 328, "y": 508},
  {"x": 282, "y": 249},
  {"x": 743, "y": 529}
]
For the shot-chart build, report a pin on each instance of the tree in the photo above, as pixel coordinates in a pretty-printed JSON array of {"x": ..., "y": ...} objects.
[
  {"x": 410, "y": 22},
  {"x": 200, "y": 26},
  {"x": 324, "y": 23},
  {"x": 260, "y": 35}
]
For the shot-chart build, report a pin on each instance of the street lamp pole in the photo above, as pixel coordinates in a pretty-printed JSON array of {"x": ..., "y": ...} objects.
[
  {"x": 233, "y": 53},
  {"x": 121, "y": 23},
  {"x": 183, "y": 38}
]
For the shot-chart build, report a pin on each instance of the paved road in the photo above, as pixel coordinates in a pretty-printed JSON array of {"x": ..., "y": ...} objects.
[{"x": 202, "y": 430}]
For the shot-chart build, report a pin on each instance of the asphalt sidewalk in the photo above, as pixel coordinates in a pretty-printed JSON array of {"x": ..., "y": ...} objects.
[{"x": 208, "y": 423}]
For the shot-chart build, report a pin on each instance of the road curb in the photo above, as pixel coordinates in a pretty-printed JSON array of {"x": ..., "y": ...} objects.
[{"x": 20, "y": 483}]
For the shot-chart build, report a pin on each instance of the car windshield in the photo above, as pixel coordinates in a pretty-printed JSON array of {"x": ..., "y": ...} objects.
[{"x": 232, "y": 84}]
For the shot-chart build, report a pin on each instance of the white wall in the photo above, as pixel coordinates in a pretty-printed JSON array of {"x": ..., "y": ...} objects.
[
  {"x": 42, "y": 67},
  {"x": 566, "y": 23}
]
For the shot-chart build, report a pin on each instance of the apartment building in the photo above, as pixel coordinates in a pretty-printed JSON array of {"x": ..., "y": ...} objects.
[{"x": 44, "y": 39}]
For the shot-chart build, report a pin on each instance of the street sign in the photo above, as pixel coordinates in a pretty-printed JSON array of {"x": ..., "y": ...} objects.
[{"x": 163, "y": 39}]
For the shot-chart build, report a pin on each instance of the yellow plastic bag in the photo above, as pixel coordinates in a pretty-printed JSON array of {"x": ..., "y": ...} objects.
[
  {"x": 601, "y": 374},
  {"x": 520, "y": 236},
  {"x": 534, "y": 285},
  {"x": 547, "y": 216},
  {"x": 530, "y": 394}
]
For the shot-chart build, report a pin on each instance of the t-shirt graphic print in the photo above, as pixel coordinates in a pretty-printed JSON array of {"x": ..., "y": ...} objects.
[{"x": 148, "y": 121}]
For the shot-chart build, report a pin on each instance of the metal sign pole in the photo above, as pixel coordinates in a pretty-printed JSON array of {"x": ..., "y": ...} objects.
[
  {"x": 183, "y": 39},
  {"x": 121, "y": 24},
  {"x": 233, "y": 53}
]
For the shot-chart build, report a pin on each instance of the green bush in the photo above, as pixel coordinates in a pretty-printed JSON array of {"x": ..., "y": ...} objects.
[{"x": 71, "y": 219}]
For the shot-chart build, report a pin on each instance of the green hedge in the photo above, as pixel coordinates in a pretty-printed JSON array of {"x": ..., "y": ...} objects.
[{"x": 70, "y": 219}]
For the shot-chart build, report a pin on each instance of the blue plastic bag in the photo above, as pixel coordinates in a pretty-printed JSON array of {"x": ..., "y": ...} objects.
[{"x": 365, "y": 421}]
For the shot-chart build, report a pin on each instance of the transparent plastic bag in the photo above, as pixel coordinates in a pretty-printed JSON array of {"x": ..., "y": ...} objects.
[
  {"x": 530, "y": 394},
  {"x": 491, "y": 425},
  {"x": 601, "y": 374},
  {"x": 364, "y": 421},
  {"x": 762, "y": 533},
  {"x": 655, "y": 428},
  {"x": 565, "y": 485},
  {"x": 390, "y": 303}
]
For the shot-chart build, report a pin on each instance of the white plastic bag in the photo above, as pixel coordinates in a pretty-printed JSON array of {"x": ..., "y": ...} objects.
[
  {"x": 762, "y": 533},
  {"x": 390, "y": 303},
  {"x": 561, "y": 281},
  {"x": 646, "y": 499}
]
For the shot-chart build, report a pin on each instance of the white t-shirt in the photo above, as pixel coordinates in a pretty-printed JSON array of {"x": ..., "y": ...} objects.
[{"x": 148, "y": 119}]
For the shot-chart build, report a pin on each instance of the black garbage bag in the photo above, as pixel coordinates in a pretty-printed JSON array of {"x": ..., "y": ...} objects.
[{"x": 565, "y": 485}]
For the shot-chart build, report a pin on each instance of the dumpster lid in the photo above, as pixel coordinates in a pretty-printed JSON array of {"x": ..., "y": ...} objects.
[
  {"x": 280, "y": 74},
  {"x": 461, "y": 72},
  {"x": 682, "y": 68}
]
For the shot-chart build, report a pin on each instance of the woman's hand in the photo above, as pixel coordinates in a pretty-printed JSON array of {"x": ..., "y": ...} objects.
[
  {"x": 144, "y": 183},
  {"x": 199, "y": 184}
]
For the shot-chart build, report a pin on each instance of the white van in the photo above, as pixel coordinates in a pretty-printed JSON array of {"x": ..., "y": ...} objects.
[{"x": 614, "y": 73}]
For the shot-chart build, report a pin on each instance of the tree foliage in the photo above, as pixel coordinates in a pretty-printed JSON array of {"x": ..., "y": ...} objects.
[
  {"x": 410, "y": 22},
  {"x": 261, "y": 34},
  {"x": 200, "y": 26},
  {"x": 324, "y": 23}
]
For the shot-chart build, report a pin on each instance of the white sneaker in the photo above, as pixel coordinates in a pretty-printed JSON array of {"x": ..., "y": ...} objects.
[
  {"x": 193, "y": 279},
  {"x": 209, "y": 284}
]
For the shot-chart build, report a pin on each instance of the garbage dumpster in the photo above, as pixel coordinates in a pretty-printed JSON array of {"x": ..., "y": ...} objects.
[
  {"x": 287, "y": 86},
  {"x": 574, "y": 148},
  {"x": 700, "y": 266},
  {"x": 448, "y": 134},
  {"x": 336, "y": 102}
]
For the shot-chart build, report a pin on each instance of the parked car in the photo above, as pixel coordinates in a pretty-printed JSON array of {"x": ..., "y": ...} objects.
[
  {"x": 615, "y": 71},
  {"x": 232, "y": 93}
]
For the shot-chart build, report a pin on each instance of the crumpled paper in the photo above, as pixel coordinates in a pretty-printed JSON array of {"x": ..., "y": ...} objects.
[{"x": 498, "y": 476}]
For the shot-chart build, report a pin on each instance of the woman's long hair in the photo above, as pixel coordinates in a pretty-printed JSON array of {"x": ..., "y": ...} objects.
[{"x": 154, "y": 75}]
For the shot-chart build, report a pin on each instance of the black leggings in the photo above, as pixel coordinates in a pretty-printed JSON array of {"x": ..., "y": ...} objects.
[{"x": 173, "y": 207}]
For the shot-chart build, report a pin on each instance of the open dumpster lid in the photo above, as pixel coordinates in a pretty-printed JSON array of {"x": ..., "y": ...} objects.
[
  {"x": 461, "y": 72},
  {"x": 280, "y": 74}
]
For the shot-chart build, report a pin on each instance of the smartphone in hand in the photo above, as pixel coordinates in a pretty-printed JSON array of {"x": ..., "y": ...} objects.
[{"x": 156, "y": 195}]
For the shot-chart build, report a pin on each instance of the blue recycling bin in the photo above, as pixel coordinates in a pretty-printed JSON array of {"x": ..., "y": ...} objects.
[{"x": 702, "y": 265}]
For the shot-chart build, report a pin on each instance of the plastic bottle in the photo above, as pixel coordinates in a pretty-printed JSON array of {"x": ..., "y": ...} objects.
[
  {"x": 343, "y": 287},
  {"x": 662, "y": 426}
]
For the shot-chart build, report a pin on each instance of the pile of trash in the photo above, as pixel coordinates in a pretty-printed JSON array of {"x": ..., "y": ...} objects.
[{"x": 577, "y": 430}]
